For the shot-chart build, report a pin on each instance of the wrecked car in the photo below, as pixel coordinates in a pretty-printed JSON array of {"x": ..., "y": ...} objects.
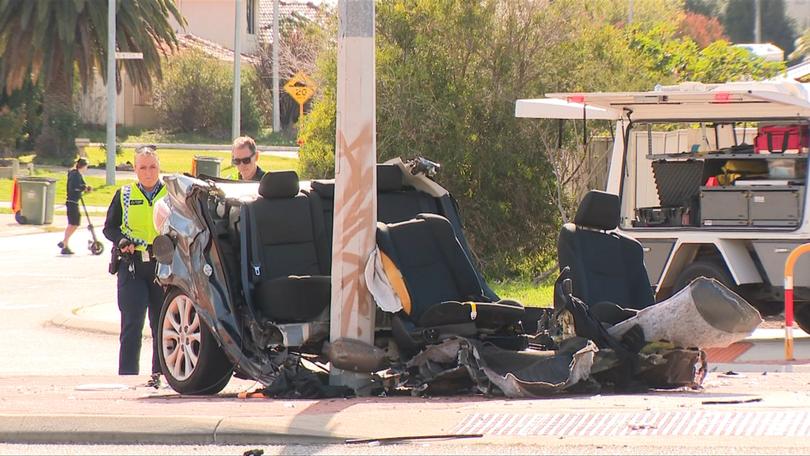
[{"x": 246, "y": 269}]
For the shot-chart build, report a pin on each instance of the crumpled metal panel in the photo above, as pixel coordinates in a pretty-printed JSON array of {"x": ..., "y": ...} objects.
[
  {"x": 197, "y": 271},
  {"x": 458, "y": 365}
]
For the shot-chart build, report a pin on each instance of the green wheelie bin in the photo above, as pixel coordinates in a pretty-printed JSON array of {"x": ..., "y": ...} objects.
[
  {"x": 209, "y": 166},
  {"x": 37, "y": 197}
]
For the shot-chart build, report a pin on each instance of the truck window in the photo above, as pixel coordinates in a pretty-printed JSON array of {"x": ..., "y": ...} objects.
[{"x": 718, "y": 175}]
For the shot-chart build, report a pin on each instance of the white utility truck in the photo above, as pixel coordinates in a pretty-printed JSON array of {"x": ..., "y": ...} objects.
[{"x": 712, "y": 181}]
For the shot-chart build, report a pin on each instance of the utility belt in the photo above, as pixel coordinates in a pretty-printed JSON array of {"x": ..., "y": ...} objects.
[{"x": 116, "y": 257}]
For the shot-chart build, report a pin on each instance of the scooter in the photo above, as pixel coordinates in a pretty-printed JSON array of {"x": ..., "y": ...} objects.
[{"x": 95, "y": 246}]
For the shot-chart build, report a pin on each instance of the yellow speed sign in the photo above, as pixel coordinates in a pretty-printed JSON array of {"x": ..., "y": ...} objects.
[{"x": 300, "y": 87}]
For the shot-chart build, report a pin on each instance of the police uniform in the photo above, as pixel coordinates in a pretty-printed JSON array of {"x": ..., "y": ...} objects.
[
  {"x": 256, "y": 177},
  {"x": 130, "y": 216}
]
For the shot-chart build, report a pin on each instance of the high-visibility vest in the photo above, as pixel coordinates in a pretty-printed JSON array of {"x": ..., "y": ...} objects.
[{"x": 136, "y": 215}]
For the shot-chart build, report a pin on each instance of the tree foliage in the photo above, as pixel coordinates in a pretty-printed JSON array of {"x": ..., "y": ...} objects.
[
  {"x": 196, "y": 95},
  {"x": 777, "y": 28},
  {"x": 300, "y": 43},
  {"x": 448, "y": 75},
  {"x": 47, "y": 39},
  {"x": 703, "y": 30}
]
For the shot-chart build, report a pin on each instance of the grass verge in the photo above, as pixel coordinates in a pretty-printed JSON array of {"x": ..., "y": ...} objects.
[
  {"x": 179, "y": 161},
  {"x": 100, "y": 196},
  {"x": 524, "y": 291},
  {"x": 266, "y": 137}
]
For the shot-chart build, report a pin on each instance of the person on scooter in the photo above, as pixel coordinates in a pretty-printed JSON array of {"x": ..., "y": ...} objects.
[
  {"x": 75, "y": 187},
  {"x": 130, "y": 227}
]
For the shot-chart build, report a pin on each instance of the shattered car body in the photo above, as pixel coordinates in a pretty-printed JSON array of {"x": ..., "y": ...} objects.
[{"x": 240, "y": 300}]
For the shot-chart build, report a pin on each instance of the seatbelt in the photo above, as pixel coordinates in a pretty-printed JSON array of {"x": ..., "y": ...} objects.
[
  {"x": 397, "y": 282},
  {"x": 255, "y": 254}
]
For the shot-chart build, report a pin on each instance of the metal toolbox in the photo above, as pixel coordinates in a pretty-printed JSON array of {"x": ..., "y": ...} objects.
[
  {"x": 775, "y": 206},
  {"x": 723, "y": 206}
]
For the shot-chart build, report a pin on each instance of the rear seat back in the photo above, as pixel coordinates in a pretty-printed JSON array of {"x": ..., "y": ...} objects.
[
  {"x": 288, "y": 249},
  {"x": 290, "y": 228},
  {"x": 395, "y": 202}
]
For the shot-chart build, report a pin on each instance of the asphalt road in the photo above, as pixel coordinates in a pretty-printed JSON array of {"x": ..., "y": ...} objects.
[{"x": 39, "y": 283}]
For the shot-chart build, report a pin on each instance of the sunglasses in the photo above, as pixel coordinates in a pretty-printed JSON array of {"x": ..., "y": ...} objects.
[{"x": 244, "y": 161}]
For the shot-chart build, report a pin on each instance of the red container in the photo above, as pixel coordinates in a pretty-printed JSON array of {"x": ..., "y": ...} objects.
[{"x": 789, "y": 139}]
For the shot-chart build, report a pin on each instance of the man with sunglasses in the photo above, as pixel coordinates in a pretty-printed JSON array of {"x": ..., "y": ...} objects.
[{"x": 245, "y": 158}]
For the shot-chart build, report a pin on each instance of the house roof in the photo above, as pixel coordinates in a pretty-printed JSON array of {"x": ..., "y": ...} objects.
[
  {"x": 210, "y": 48},
  {"x": 286, "y": 9}
]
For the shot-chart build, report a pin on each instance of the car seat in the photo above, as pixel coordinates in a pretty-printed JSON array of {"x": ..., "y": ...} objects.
[
  {"x": 606, "y": 268},
  {"x": 288, "y": 259},
  {"x": 442, "y": 295}
]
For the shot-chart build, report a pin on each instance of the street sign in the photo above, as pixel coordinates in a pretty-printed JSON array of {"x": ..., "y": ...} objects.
[
  {"x": 129, "y": 55},
  {"x": 300, "y": 94},
  {"x": 301, "y": 88}
]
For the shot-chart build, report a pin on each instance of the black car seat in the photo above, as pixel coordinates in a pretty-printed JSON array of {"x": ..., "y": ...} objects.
[
  {"x": 604, "y": 267},
  {"x": 441, "y": 290},
  {"x": 395, "y": 203},
  {"x": 288, "y": 258}
]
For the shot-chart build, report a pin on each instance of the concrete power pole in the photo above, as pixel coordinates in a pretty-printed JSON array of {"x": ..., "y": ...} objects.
[
  {"x": 236, "y": 127},
  {"x": 757, "y": 21},
  {"x": 355, "y": 215},
  {"x": 276, "y": 113},
  {"x": 111, "y": 92}
]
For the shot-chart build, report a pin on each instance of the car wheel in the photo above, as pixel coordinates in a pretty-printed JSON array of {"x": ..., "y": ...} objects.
[
  {"x": 801, "y": 315},
  {"x": 190, "y": 357},
  {"x": 711, "y": 269}
]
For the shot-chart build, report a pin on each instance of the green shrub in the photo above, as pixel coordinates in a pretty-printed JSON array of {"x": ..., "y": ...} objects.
[{"x": 196, "y": 95}]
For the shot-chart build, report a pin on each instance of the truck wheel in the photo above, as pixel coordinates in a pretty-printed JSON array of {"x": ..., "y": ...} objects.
[
  {"x": 711, "y": 269},
  {"x": 190, "y": 358},
  {"x": 802, "y": 316}
]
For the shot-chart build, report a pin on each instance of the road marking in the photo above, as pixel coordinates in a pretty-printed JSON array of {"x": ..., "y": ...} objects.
[{"x": 701, "y": 423}]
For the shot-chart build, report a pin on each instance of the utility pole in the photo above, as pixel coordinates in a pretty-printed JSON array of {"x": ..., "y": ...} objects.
[
  {"x": 237, "y": 60},
  {"x": 757, "y": 21},
  {"x": 111, "y": 92},
  {"x": 276, "y": 113},
  {"x": 355, "y": 214}
]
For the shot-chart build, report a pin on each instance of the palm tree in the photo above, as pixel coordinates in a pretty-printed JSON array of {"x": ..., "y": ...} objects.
[{"x": 51, "y": 40}]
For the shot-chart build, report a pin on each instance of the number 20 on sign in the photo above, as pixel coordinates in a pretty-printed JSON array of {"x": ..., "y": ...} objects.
[{"x": 301, "y": 88}]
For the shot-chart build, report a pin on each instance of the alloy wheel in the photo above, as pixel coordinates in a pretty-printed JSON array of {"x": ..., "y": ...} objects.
[{"x": 181, "y": 337}]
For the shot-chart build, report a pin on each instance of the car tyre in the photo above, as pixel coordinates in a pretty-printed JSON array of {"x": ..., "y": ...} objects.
[
  {"x": 190, "y": 357},
  {"x": 711, "y": 269}
]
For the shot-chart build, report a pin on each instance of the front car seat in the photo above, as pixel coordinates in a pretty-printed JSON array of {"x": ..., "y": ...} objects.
[
  {"x": 442, "y": 291},
  {"x": 605, "y": 267}
]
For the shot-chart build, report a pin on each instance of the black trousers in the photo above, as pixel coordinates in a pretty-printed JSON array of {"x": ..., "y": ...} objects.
[{"x": 138, "y": 294}]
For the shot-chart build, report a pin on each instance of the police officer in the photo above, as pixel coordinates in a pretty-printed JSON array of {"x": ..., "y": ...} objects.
[{"x": 129, "y": 226}]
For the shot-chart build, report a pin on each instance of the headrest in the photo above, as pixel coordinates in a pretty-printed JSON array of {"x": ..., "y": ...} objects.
[
  {"x": 598, "y": 210},
  {"x": 389, "y": 178},
  {"x": 279, "y": 184}
]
